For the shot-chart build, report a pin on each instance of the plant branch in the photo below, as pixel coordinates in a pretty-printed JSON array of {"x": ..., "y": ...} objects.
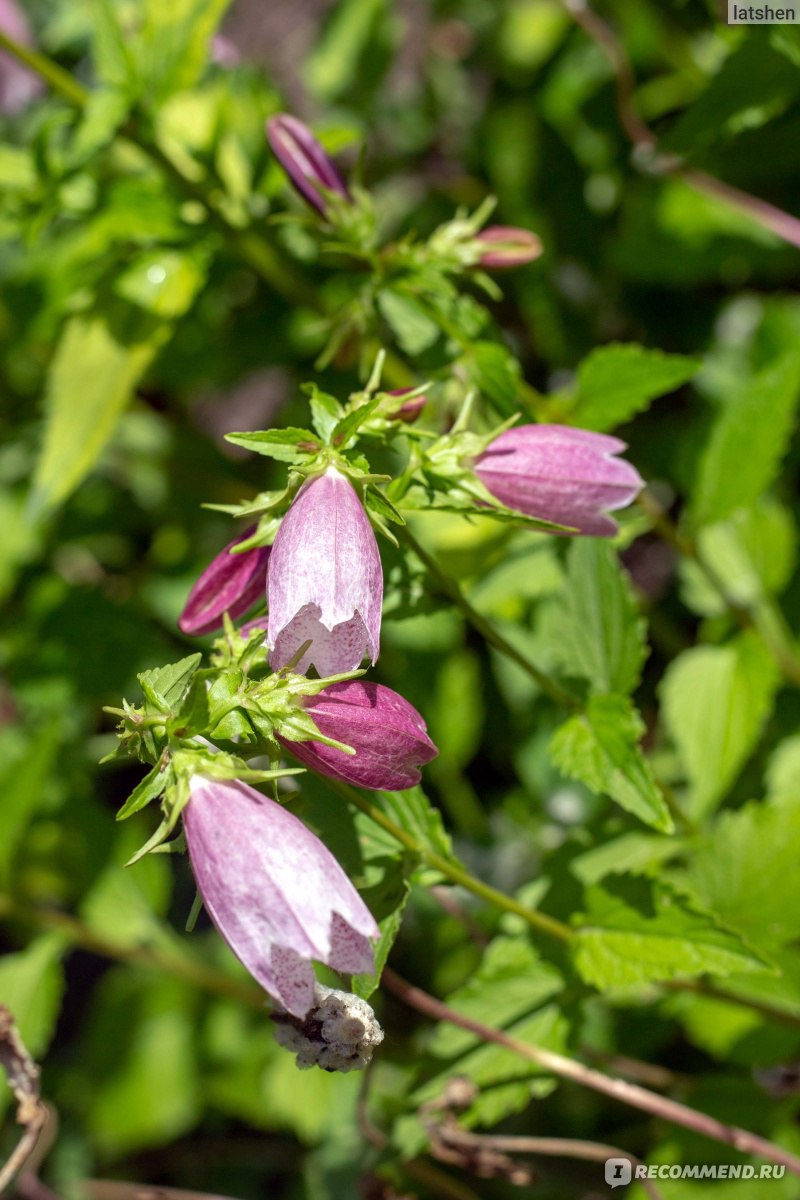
[
  {"x": 617, "y": 1089},
  {"x": 449, "y": 588},
  {"x": 645, "y": 144},
  {"x": 450, "y": 869},
  {"x": 172, "y": 962}
]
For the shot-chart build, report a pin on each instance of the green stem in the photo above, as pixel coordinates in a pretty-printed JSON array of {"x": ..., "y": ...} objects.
[
  {"x": 451, "y": 589},
  {"x": 452, "y": 870},
  {"x": 176, "y": 963},
  {"x": 53, "y": 75}
]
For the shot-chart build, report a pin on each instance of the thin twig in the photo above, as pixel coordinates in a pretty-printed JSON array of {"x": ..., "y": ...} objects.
[
  {"x": 555, "y": 1147},
  {"x": 450, "y": 869},
  {"x": 23, "y": 1079},
  {"x": 618, "y": 1089},
  {"x": 644, "y": 141}
]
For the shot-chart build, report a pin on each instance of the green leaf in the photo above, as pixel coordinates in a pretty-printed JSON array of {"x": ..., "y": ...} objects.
[
  {"x": 748, "y": 441},
  {"x": 112, "y": 58},
  {"x": 640, "y": 936},
  {"x": 600, "y": 747},
  {"x": 31, "y": 984},
  {"x": 166, "y": 686},
  {"x": 746, "y": 871},
  {"x": 163, "y": 282},
  {"x": 632, "y": 853},
  {"x": 408, "y": 320},
  {"x": 96, "y": 368},
  {"x": 386, "y": 900},
  {"x": 617, "y": 381},
  {"x": 326, "y": 411},
  {"x": 173, "y": 49},
  {"x": 290, "y": 445},
  {"x": 715, "y": 701},
  {"x": 754, "y": 84},
  {"x": 603, "y": 633},
  {"x": 413, "y": 812},
  {"x": 753, "y": 553},
  {"x": 149, "y": 788},
  {"x": 496, "y": 373},
  {"x": 25, "y": 771},
  {"x": 138, "y": 1070},
  {"x": 349, "y": 424},
  {"x": 333, "y": 64},
  {"x": 511, "y": 980}
]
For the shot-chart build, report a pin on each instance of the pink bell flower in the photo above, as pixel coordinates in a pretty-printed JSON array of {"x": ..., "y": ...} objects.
[
  {"x": 387, "y": 733},
  {"x": 507, "y": 246},
  {"x": 275, "y": 893},
  {"x": 560, "y": 474},
  {"x": 231, "y": 583},
  {"x": 18, "y": 84},
  {"x": 325, "y": 581},
  {"x": 311, "y": 172}
]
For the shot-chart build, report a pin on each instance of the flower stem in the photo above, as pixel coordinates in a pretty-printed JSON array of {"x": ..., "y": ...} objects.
[
  {"x": 450, "y": 869},
  {"x": 617, "y": 1089},
  {"x": 448, "y": 587}
]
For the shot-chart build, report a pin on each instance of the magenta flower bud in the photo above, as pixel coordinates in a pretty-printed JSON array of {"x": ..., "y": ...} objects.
[
  {"x": 507, "y": 246},
  {"x": 230, "y": 584},
  {"x": 311, "y": 172},
  {"x": 410, "y": 409},
  {"x": 325, "y": 581},
  {"x": 277, "y": 895},
  {"x": 18, "y": 84},
  {"x": 387, "y": 733},
  {"x": 560, "y": 474}
]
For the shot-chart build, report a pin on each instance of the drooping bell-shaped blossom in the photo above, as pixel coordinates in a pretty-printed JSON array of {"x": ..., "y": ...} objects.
[
  {"x": 507, "y": 246},
  {"x": 275, "y": 893},
  {"x": 387, "y": 733},
  {"x": 560, "y": 474},
  {"x": 325, "y": 581},
  {"x": 231, "y": 583},
  {"x": 311, "y": 171},
  {"x": 18, "y": 84}
]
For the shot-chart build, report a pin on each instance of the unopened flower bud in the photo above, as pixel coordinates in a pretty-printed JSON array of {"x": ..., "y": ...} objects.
[
  {"x": 561, "y": 474},
  {"x": 311, "y": 171},
  {"x": 409, "y": 410},
  {"x": 387, "y": 733},
  {"x": 507, "y": 246},
  {"x": 231, "y": 583}
]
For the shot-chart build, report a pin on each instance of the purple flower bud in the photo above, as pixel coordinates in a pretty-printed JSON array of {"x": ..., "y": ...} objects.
[
  {"x": 387, "y": 733},
  {"x": 277, "y": 895},
  {"x": 507, "y": 247},
  {"x": 231, "y": 583},
  {"x": 18, "y": 84},
  {"x": 325, "y": 580},
  {"x": 560, "y": 474},
  {"x": 305, "y": 162},
  {"x": 410, "y": 409}
]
